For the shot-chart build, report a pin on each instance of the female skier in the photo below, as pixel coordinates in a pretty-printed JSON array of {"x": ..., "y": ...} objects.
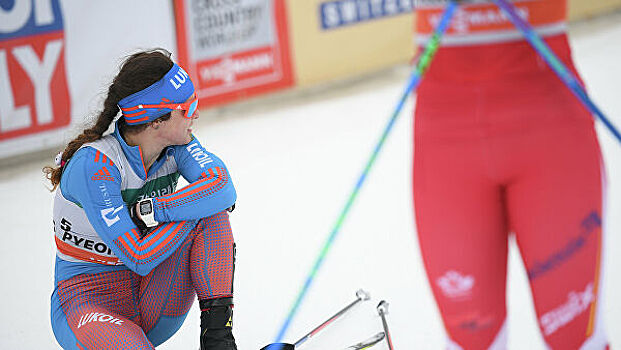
[
  {"x": 501, "y": 145},
  {"x": 131, "y": 250}
]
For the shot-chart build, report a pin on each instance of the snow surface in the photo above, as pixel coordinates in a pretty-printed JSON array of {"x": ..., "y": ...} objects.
[{"x": 295, "y": 160}]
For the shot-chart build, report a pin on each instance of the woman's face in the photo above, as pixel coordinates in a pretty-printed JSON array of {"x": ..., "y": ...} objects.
[{"x": 177, "y": 130}]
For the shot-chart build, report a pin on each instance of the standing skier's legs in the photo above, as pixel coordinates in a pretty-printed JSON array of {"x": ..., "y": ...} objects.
[
  {"x": 557, "y": 216},
  {"x": 462, "y": 234}
]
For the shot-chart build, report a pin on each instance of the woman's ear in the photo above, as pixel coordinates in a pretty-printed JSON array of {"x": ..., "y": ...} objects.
[{"x": 156, "y": 124}]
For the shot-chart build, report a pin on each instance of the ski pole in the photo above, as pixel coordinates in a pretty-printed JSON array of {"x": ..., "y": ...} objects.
[
  {"x": 361, "y": 295},
  {"x": 566, "y": 76},
  {"x": 413, "y": 82},
  {"x": 365, "y": 344},
  {"x": 278, "y": 346},
  {"x": 382, "y": 310}
]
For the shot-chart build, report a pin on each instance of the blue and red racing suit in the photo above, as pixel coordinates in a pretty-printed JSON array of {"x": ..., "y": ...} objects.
[
  {"x": 118, "y": 287},
  {"x": 501, "y": 145}
]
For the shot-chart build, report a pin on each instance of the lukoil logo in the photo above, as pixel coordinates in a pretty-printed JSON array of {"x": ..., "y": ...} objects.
[
  {"x": 181, "y": 76},
  {"x": 455, "y": 285},
  {"x": 199, "y": 154},
  {"x": 98, "y": 317},
  {"x": 577, "y": 302}
]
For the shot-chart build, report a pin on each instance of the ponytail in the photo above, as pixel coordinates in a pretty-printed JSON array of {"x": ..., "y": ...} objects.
[
  {"x": 91, "y": 134},
  {"x": 139, "y": 71}
]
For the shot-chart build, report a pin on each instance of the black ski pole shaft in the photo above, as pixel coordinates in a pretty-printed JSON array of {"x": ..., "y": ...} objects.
[
  {"x": 361, "y": 295},
  {"x": 382, "y": 309}
]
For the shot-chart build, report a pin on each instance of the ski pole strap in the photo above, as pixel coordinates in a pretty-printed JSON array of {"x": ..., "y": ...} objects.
[
  {"x": 566, "y": 76},
  {"x": 413, "y": 82}
]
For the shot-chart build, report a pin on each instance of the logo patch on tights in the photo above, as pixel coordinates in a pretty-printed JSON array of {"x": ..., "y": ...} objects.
[
  {"x": 577, "y": 302},
  {"x": 98, "y": 317},
  {"x": 453, "y": 284},
  {"x": 589, "y": 225}
]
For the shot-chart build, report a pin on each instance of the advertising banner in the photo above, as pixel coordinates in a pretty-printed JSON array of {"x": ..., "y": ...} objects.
[
  {"x": 579, "y": 9},
  {"x": 339, "y": 39},
  {"x": 33, "y": 84},
  {"x": 57, "y": 58},
  {"x": 233, "y": 48}
]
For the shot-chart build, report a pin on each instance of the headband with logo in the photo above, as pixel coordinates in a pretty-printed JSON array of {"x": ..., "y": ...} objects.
[{"x": 174, "y": 87}]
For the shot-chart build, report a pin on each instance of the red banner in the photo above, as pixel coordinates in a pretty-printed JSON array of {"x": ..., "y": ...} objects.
[
  {"x": 34, "y": 96},
  {"x": 233, "y": 50}
]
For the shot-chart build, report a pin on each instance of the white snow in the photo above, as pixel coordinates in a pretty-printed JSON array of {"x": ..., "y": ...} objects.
[{"x": 294, "y": 161}]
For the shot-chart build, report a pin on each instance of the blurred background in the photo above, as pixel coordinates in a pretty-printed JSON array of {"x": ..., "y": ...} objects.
[{"x": 293, "y": 97}]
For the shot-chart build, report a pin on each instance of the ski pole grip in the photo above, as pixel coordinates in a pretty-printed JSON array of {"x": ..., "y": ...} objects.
[
  {"x": 362, "y": 294},
  {"x": 382, "y": 307}
]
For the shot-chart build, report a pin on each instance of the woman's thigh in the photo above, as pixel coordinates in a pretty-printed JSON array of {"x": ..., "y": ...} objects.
[
  {"x": 462, "y": 232},
  {"x": 98, "y": 311},
  {"x": 556, "y": 212},
  {"x": 202, "y": 265},
  {"x": 166, "y": 295}
]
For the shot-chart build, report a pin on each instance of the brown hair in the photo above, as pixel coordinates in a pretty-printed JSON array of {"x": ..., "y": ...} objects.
[{"x": 137, "y": 72}]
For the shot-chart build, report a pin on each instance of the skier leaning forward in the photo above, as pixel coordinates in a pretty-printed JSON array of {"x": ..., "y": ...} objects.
[
  {"x": 502, "y": 145},
  {"x": 131, "y": 251}
]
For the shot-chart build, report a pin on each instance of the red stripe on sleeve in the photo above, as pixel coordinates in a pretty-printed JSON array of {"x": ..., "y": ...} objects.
[
  {"x": 201, "y": 185},
  {"x": 127, "y": 240}
]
